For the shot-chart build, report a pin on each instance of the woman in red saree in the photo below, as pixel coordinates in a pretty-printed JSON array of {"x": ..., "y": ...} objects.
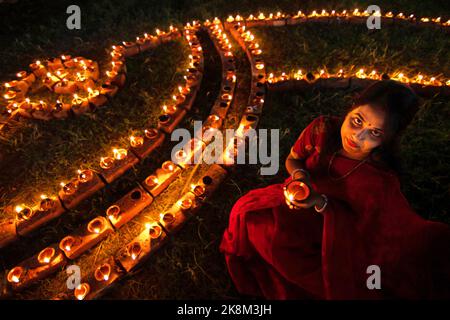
[{"x": 355, "y": 236}]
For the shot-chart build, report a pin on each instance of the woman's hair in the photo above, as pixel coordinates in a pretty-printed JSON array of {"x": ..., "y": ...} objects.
[{"x": 399, "y": 104}]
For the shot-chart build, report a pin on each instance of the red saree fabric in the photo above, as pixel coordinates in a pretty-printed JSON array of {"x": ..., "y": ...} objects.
[{"x": 279, "y": 253}]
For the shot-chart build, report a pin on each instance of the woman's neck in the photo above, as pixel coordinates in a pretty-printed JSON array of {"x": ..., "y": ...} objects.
[{"x": 344, "y": 153}]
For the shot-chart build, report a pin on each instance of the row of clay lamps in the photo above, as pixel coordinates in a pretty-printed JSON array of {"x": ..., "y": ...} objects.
[
  {"x": 253, "y": 111},
  {"x": 76, "y": 80},
  {"x": 357, "y": 80},
  {"x": 89, "y": 181},
  {"x": 360, "y": 79},
  {"x": 157, "y": 232},
  {"x": 351, "y": 16}
]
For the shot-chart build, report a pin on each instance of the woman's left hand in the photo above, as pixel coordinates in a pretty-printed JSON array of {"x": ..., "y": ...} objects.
[{"x": 313, "y": 200}]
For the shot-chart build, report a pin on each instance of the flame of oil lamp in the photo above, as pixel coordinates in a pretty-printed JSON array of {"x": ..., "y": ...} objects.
[
  {"x": 151, "y": 181},
  {"x": 35, "y": 65},
  {"x": 12, "y": 107},
  {"x": 178, "y": 98},
  {"x": 256, "y": 52},
  {"x": 185, "y": 204},
  {"x": 10, "y": 95},
  {"x": 77, "y": 99},
  {"x": 120, "y": 154},
  {"x": 118, "y": 49},
  {"x": 80, "y": 77},
  {"x": 151, "y": 133},
  {"x": 113, "y": 211},
  {"x": 24, "y": 212},
  {"x": 170, "y": 109},
  {"x": 68, "y": 243},
  {"x": 296, "y": 191},
  {"x": 93, "y": 93},
  {"x": 106, "y": 162},
  {"x": 184, "y": 90},
  {"x": 154, "y": 230},
  {"x": 116, "y": 65},
  {"x": 116, "y": 55},
  {"x": 103, "y": 272},
  {"x": 373, "y": 74},
  {"x": 46, "y": 255},
  {"x": 111, "y": 74},
  {"x": 254, "y": 46},
  {"x": 69, "y": 188},
  {"x": 198, "y": 190},
  {"x": 134, "y": 250},
  {"x": 42, "y": 105},
  {"x": 21, "y": 74},
  {"x": 168, "y": 166},
  {"x": 96, "y": 226},
  {"x": 361, "y": 74},
  {"x": 214, "y": 118},
  {"x": 227, "y": 96},
  {"x": 127, "y": 43},
  {"x": 85, "y": 175},
  {"x": 136, "y": 142},
  {"x": 82, "y": 291},
  {"x": 15, "y": 274},
  {"x": 11, "y": 84},
  {"x": 259, "y": 66}
]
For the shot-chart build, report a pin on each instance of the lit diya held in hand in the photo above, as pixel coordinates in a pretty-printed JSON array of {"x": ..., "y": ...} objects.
[
  {"x": 294, "y": 192},
  {"x": 299, "y": 194}
]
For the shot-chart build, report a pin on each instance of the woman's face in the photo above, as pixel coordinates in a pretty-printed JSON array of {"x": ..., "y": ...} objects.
[{"x": 362, "y": 131}]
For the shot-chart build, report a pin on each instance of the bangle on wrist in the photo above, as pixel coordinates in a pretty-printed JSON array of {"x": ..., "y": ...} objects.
[
  {"x": 306, "y": 173},
  {"x": 325, "y": 198}
]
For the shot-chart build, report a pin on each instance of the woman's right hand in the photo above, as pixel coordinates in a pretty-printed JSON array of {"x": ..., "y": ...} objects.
[
  {"x": 300, "y": 175},
  {"x": 303, "y": 176}
]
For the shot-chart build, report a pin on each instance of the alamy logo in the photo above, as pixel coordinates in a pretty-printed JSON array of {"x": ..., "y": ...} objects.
[
  {"x": 74, "y": 20},
  {"x": 374, "y": 21},
  {"x": 74, "y": 279},
  {"x": 229, "y": 149},
  {"x": 374, "y": 280}
]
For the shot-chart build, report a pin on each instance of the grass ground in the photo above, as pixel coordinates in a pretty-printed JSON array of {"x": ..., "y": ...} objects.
[{"x": 41, "y": 154}]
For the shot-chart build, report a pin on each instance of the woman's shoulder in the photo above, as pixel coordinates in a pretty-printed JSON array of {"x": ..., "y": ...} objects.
[{"x": 323, "y": 123}]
